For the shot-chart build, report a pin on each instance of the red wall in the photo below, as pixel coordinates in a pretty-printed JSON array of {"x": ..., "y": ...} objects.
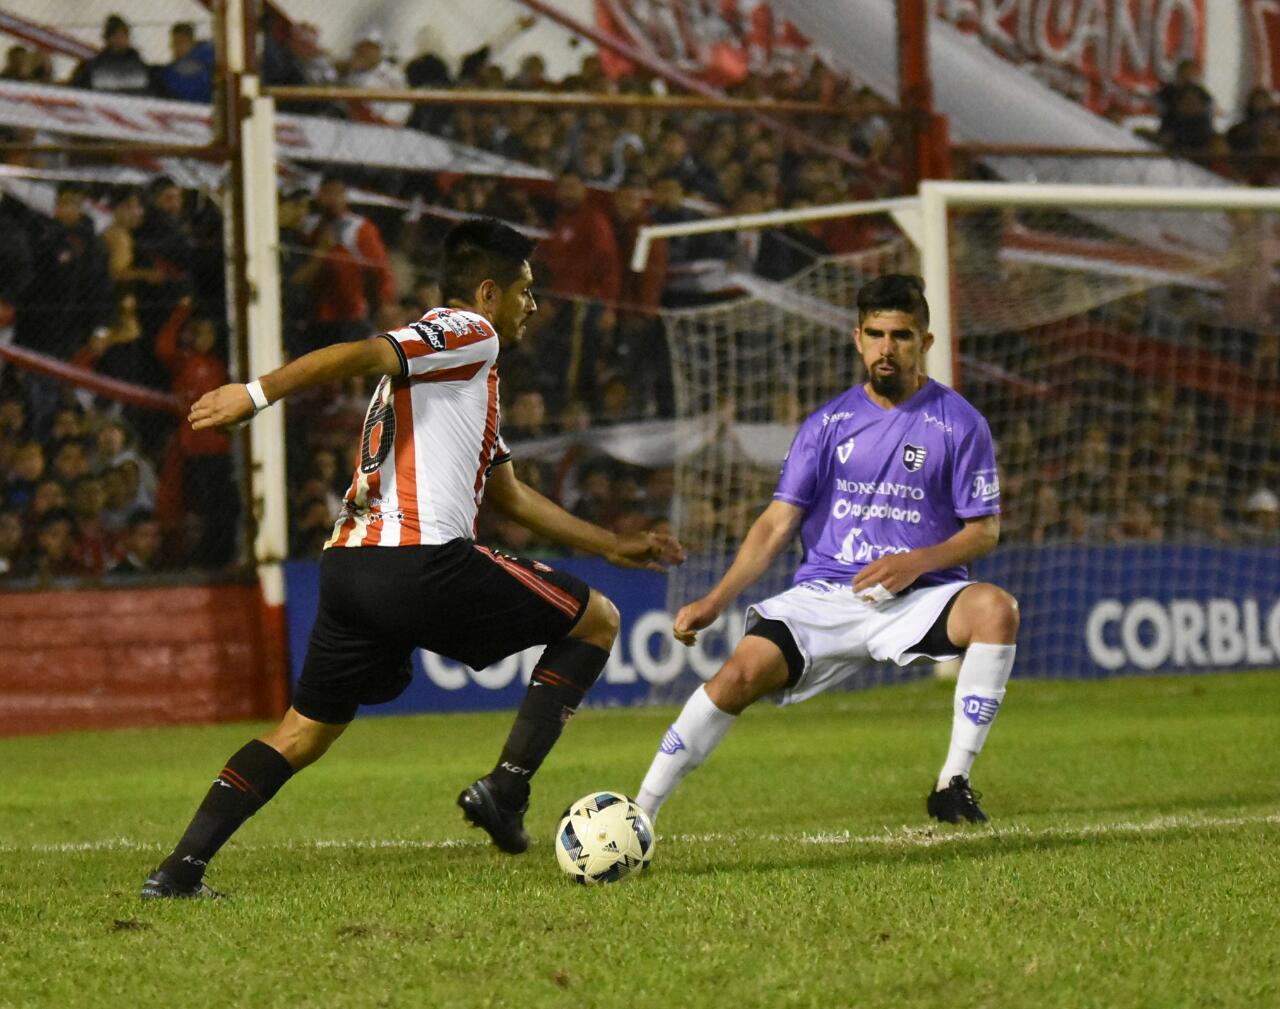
[{"x": 110, "y": 658}]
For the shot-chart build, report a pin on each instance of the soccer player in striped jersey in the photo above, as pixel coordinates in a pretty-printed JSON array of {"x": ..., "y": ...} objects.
[{"x": 402, "y": 570}]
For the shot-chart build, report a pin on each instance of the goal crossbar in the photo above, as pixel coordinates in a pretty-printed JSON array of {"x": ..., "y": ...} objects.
[{"x": 923, "y": 219}]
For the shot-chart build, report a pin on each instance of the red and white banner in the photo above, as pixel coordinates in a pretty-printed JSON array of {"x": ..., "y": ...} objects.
[
  {"x": 1106, "y": 53},
  {"x": 76, "y": 113},
  {"x": 1263, "y": 19},
  {"x": 717, "y": 41}
]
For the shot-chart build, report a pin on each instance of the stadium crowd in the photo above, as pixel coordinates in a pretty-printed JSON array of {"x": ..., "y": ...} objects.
[{"x": 95, "y": 486}]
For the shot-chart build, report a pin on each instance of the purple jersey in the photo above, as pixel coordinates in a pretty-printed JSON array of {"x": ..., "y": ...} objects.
[{"x": 874, "y": 482}]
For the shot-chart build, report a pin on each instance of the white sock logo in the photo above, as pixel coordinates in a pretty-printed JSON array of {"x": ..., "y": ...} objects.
[
  {"x": 980, "y": 710},
  {"x": 671, "y": 742}
]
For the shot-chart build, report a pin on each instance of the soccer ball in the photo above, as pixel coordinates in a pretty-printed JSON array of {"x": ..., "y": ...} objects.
[{"x": 603, "y": 837}]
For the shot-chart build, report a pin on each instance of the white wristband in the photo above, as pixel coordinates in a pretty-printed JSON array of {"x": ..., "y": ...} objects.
[{"x": 258, "y": 396}]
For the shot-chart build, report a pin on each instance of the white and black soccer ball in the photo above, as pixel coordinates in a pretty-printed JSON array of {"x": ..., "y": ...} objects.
[{"x": 603, "y": 838}]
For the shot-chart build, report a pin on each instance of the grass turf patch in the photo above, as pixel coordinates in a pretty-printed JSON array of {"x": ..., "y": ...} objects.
[{"x": 1133, "y": 862}]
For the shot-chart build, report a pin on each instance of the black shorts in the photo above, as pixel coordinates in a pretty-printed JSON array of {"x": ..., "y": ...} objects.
[{"x": 460, "y": 600}]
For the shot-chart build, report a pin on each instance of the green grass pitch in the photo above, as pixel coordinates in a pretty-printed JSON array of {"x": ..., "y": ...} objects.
[{"x": 1134, "y": 861}]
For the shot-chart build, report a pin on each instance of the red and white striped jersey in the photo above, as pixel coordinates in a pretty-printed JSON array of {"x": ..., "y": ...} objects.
[{"x": 430, "y": 437}]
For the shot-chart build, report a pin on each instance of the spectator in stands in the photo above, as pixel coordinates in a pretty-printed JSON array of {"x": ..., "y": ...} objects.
[
  {"x": 297, "y": 267},
  {"x": 1261, "y": 523},
  {"x": 15, "y": 63},
  {"x": 350, "y": 274},
  {"x": 11, "y": 539},
  {"x": 1205, "y": 519},
  {"x": 668, "y": 208},
  {"x": 367, "y": 68},
  {"x": 163, "y": 239},
  {"x": 595, "y": 501},
  {"x": 1136, "y": 523},
  {"x": 50, "y": 494},
  {"x": 616, "y": 403},
  {"x": 1257, "y": 132},
  {"x": 141, "y": 546},
  {"x": 185, "y": 345},
  {"x": 25, "y": 473},
  {"x": 638, "y": 347},
  {"x": 188, "y": 76},
  {"x": 525, "y": 417},
  {"x": 16, "y": 271},
  {"x": 23, "y": 64},
  {"x": 1186, "y": 112},
  {"x": 673, "y": 157},
  {"x": 70, "y": 461},
  {"x": 51, "y": 556},
  {"x": 71, "y": 293},
  {"x": 13, "y": 416},
  {"x": 117, "y": 67},
  {"x": 581, "y": 266},
  {"x": 68, "y": 423},
  {"x": 127, "y": 213},
  {"x": 94, "y": 547},
  {"x": 314, "y": 65}
]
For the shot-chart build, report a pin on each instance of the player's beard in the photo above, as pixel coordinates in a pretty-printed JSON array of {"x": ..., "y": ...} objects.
[{"x": 890, "y": 385}]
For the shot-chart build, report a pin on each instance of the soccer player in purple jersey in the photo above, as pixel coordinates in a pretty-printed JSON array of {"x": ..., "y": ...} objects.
[{"x": 894, "y": 490}]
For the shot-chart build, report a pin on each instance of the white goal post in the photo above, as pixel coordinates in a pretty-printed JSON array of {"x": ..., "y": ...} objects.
[{"x": 924, "y": 221}]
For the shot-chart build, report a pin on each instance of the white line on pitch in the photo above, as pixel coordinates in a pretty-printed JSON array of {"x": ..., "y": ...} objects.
[{"x": 906, "y": 837}]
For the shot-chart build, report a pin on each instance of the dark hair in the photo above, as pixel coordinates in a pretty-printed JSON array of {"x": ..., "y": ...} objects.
[
  {"x": 72, "y": 187},
  {"x": 54, "y": 515},
  {"x": 159, "y": 184},
  {"x": 894, "y": 292},
  {"x": 140, "y": 516},
  {"x": 184, "y": 28},
  {"x": 478, "y": 250},
  {"x": 113, "y": 24},
  {"x": 123, "y": 195}
]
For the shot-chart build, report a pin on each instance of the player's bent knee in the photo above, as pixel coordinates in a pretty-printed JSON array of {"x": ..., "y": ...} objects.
[
  {"x": 742, "y": 681},
  {"x": 996, "y": 616},
  {"x": 600, "y": 622}
]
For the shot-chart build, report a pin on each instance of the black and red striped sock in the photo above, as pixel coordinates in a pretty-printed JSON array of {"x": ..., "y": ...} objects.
[
  {"x": 252, "y": 776},
  {"x": 564, "y": 674}
]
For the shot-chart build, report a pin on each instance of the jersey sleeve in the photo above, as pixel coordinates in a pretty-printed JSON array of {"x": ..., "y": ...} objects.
[
  {"x": 798, "y": 481},
  {"x": 975, "y": 481},
  {"x": 444, "y": 346}
]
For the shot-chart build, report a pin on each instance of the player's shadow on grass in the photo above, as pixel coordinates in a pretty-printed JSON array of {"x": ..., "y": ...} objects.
[
  {"x": 1164, "y": 806},
  {"x": 973, "y": 844}
]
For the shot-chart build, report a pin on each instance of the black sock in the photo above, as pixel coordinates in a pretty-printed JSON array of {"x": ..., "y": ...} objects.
[
  {"x": 561, "y": 679},
  {"x": 252, "y": 776}
]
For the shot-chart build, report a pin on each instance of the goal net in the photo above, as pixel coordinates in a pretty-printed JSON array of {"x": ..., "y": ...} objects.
[{"x": 1126, "y": 357}]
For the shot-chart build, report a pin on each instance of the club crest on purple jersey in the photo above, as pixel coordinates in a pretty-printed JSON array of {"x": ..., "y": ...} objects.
[
  {"x": 913, "y": 457},
  {"x": 980, "y": 710},
  {"x": 844, "y": 450}
]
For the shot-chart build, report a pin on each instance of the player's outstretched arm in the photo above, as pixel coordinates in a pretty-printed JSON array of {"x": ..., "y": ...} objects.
[
  {"x": 772, "y": 531},
  {"x": 228, "y": 405},
  {"x": 518, "y": 501}
]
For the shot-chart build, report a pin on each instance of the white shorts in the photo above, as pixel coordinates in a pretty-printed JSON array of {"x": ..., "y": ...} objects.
[{"x": 838, "y": 634}]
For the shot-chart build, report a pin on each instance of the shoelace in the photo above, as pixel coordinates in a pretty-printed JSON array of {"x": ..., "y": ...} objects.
[{"x": 968, "y": 796}]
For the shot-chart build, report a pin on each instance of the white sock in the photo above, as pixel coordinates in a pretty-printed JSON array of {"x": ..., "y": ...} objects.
[
  {"x": 688, "y": 742},
  {"x": 979, "y": 691}
]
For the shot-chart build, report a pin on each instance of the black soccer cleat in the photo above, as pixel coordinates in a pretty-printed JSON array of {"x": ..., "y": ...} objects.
[
  {"x": 956, "y": 802},
  {"x": 161, "y": 886},
  {"x": 481, "y": 808}
]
